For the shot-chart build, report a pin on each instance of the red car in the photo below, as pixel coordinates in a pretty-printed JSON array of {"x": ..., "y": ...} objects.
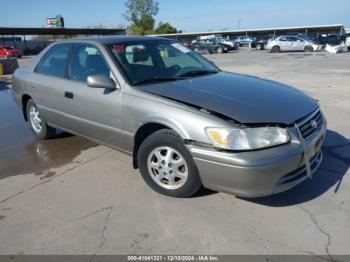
[{"x": 9, "y": 51}]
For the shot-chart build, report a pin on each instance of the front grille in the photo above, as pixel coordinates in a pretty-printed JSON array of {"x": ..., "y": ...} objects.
[
  {"x": 309, "y": 124},
  {"x": 301, "y": 172}
]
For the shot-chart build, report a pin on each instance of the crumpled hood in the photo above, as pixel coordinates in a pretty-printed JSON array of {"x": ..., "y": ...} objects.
[{"x": 243, "y": 98}]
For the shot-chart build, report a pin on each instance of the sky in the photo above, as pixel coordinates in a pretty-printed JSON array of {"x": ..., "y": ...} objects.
[{"x": 186, "y": 15}]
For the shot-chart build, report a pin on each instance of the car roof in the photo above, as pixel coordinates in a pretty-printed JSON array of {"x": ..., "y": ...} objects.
[{"x": 119, "y": 39}]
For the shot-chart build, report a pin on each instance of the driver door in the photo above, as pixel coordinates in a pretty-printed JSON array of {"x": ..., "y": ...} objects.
[
  {"x": 93, "y": 112},
  {"x": 299, "y": 44}
]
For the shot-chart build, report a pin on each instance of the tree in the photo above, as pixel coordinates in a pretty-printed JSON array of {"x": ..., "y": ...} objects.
[
  {"x": 140, "y": 13},
  {"x": 165, "y": 28}
]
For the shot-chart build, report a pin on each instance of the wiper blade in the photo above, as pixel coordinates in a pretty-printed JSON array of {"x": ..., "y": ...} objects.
[
  {"x": 198, "y": 72},
  {"x": 157, "y": 79}
]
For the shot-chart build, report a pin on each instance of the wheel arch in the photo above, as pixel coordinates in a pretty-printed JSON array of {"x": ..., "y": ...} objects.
[
  {"x": 148, "y": 128},
  {"x": 24, "y": 100}
]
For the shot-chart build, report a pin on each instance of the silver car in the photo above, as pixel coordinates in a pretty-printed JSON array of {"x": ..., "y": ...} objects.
[
  {"x": 185, "y": 122},
  {"x": 292, "y": 43}
]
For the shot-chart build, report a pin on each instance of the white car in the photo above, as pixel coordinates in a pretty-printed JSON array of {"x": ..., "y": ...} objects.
[
  {"x": 347, "y": 40},
  {"x": 292, "y": 43}
]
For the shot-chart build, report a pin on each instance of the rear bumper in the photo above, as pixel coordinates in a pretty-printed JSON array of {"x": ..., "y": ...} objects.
[{"x": 259, "y": 173}]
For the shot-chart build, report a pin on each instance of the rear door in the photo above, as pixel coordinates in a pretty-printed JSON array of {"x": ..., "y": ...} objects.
[
  {"x": 93, "y": 112},
  {"x": 47, "y": 84}
]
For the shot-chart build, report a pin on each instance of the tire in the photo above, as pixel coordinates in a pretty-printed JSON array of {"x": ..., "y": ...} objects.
[
  {"x": 42, "y": 132},
  {"x": 308, "y": 49},
  {"x": 162, "y": 174},
  {"x": 276, "y": 49},
  {"x": 219, "y": 50}
]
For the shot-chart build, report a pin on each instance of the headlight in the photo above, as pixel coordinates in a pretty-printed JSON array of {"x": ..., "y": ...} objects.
[{"x": 247, "y": 138}]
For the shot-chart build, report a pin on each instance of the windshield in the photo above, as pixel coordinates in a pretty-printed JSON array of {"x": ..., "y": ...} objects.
[{"x": 151, "y": 61}]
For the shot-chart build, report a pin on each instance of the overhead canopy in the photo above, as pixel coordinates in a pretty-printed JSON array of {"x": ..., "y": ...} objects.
[
  {"x": 59, "y": 31},
  {"x": 337, "y": 29}
]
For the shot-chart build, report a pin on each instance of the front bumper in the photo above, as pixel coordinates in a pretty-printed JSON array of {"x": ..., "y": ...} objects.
[{"x": 263, "y": 172}]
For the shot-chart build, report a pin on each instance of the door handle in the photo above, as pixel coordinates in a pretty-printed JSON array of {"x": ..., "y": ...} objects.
[{"x": 69, "y": 95}]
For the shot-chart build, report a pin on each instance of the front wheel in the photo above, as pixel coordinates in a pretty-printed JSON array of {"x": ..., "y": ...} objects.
[
  {"x": 308, "y": 49},
  {"x": 39, "y": 126},
  {"x": 167, "y": 166},
  {"x": 220, "y": 50}
]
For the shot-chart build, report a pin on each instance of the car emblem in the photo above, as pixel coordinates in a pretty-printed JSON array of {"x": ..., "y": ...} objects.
[{"x": 314, "y": 124}]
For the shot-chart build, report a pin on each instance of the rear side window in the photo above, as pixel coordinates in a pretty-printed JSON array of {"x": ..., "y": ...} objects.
[{"x": 53, "y": 63}]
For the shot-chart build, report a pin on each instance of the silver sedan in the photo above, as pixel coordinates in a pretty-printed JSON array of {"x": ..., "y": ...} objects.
[
  {"x": 186, "y": 123},
  {"x": 292, "y": 43}
]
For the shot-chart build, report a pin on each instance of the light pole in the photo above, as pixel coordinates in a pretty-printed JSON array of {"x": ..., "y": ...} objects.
[{"x": 239, "y": 23}]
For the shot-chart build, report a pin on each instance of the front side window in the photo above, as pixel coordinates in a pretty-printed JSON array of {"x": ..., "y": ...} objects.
[
  {"x": 53, "y": 63},
  {"x": 87, "y": 60},
  {"x": 159, "y": 60}
]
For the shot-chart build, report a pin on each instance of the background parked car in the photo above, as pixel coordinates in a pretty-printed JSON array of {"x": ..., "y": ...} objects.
[
  {"x": 330, "y": 39},
  {"x": 231, "y": 44},
  {"x": 185, "y": 42},
  {"x": 292, "y": 43},
  {"x": 259, "y": 43},
  {"x": 212, "y": 45},
  {"x": 7, "y": 51},
  {"x": 347, "y": 41},
  {"x": 243, "y": 40}
]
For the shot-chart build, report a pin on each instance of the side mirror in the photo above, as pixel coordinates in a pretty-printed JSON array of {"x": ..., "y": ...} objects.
[{"x": 101, "y": 81}]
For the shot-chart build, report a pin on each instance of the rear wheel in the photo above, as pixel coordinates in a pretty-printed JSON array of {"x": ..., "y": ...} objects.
[
  {"x": 167, "y": 166},
  {"x": 276, "y": 49},
  {"x": 39, "y": 126}
]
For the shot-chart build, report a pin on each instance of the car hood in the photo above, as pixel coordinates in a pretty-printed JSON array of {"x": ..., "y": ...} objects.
[{"x": 243, "y": 98}]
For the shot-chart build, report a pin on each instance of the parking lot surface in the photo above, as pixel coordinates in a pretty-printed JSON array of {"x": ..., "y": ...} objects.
[{"x": 71, "y": 196}]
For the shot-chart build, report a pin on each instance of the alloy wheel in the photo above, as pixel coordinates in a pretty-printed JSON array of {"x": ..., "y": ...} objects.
[
  {"x": 167, "y": 167},
  {"x": 35, "y": 119}
]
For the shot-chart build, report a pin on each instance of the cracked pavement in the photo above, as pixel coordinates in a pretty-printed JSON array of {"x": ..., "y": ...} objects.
[{"x": 71, "y": 196}]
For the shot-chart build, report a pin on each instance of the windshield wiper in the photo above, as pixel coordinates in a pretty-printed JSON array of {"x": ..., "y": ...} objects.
[
  {"x": 157, "y": 79},
  {"x": 198, "y": 72}
]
